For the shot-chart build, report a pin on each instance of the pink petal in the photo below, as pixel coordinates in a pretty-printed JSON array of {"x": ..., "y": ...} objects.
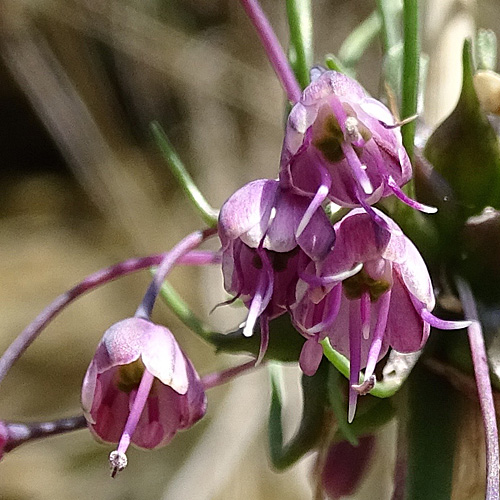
[{"x": 310, "y": 356}]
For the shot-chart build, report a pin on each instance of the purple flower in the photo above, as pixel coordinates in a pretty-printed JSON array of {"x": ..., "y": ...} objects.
[
  {"x": 345, "y": 466},
  {"x": 261, "y": 254},
  {"x": 4, "y": 438},
  {"x": 372, "y": 292},
  {"x": 140, "y": 387},
  {"x": 343, "y": 145}
]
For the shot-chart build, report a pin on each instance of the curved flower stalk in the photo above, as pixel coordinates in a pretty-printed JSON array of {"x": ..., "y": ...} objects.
[
  {"x": 91, "y": 282},
  {"x": 14, "y": 434},
  {"x": 261, "y": 254},
  {"x": 140, "y": 388},
  {"x": 374, "y": 285},
  {"x": 343, "y": 145}
]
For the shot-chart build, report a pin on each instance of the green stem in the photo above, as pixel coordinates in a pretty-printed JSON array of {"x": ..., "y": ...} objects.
[
  {"x": 433, "y": 415},
  {"x": 359, "y": 39},
  {"x": 184, "y": 313},
  {"x": 299, "y": 14},
  {"x": 411, "y": 59},
  {"x": 207, "y": 213},
  {"x": 337, "y": 403},
  {"x": 312, "y": 423}
]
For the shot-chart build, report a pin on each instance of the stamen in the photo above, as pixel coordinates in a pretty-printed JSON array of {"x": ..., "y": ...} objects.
[
  {"x": 333, "y": 307},
  {"x": 318, "y": 199},
  {"x": 262, "y": 295},
  {"x": 406, "y": 199},
  {"x": 376, "y": 217},
  {"x": 354, "y": 356},
  {"x": 442, "y": 324},
  {"x": 373, "y": 148},
  {"x": 399, "y": 123},
  {"x": 119, "y": 458},
  {"x": 349, "y": 124},
  {"x": 436, "y": 322},
  {"x": 367, "y": 385},
  {"x": 226, "y": 302},
  {"x": 352, "y": 130},
  {"x": 255, "y": 306},
  {"x": 264, "y": 338},
  {"x": 358, "y": 171},
  {"x": 313, "y": 280},
  {"x": 376, "y": 346},
  {"x": 365, "y": 310},
  {"x": 118, "y": 461}
]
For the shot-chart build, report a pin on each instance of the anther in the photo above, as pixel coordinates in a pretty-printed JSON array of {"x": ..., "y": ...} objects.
[
  {"x": 118, "y": 461},
  {"x": 351, "y": 129}
]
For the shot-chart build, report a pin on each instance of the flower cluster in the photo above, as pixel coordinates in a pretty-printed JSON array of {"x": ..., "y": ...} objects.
[
  {"x": 313, "y": 247},
  {"x": 360, "y": 282}
]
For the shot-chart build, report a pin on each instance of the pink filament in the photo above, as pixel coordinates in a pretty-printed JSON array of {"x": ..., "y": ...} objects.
[
  {"x": 354, "y": 356},
  {"x": 318, "y": 199},
  {"x": 312, "y": 279},
  {"x": 378, "y": 336},
  {"x": 365, "y": 314},
  {"x": 262, "y": 295},
  {"x": 136, "y": 411},
  {"x": 333, "y": 307},
  {"x": 360, "y": 175},
  {"x": 264, "y": 338}
]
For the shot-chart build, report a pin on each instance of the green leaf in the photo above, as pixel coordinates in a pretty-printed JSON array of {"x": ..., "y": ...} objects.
[
  {"x": 359, "y": 40},
  {"x": 285, "y": 343},
  {"x": 464, "y": 150},
  {"x": 336, "y": 398},
  {"x": 313, "y": 418},
  {"x": 433, "y": 415}
]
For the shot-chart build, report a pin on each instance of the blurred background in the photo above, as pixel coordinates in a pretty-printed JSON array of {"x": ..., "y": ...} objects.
[{"x": 83, "y": 186}]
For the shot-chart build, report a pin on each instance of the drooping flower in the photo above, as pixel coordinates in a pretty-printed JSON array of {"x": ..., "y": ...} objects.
[
  {"x": 343, "y": 145},
  {"x": 4, "y": 438},
  {"x": 345, "y": 466},
  {"x": 373, "y": 291},
  {"x": 141, "y": 388},
  {"x": 261, "y": 254}
]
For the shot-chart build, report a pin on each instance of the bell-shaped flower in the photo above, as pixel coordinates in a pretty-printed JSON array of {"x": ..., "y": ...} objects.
[
  {"x": 141, "y": 388},
  {"x": 4, "y": 438},
  {"x": 261, "y": 254},
  {"x": 345, "y": 466},
  {"x": 373, "y": 291},
  {"x": 343, "y": 145}
]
